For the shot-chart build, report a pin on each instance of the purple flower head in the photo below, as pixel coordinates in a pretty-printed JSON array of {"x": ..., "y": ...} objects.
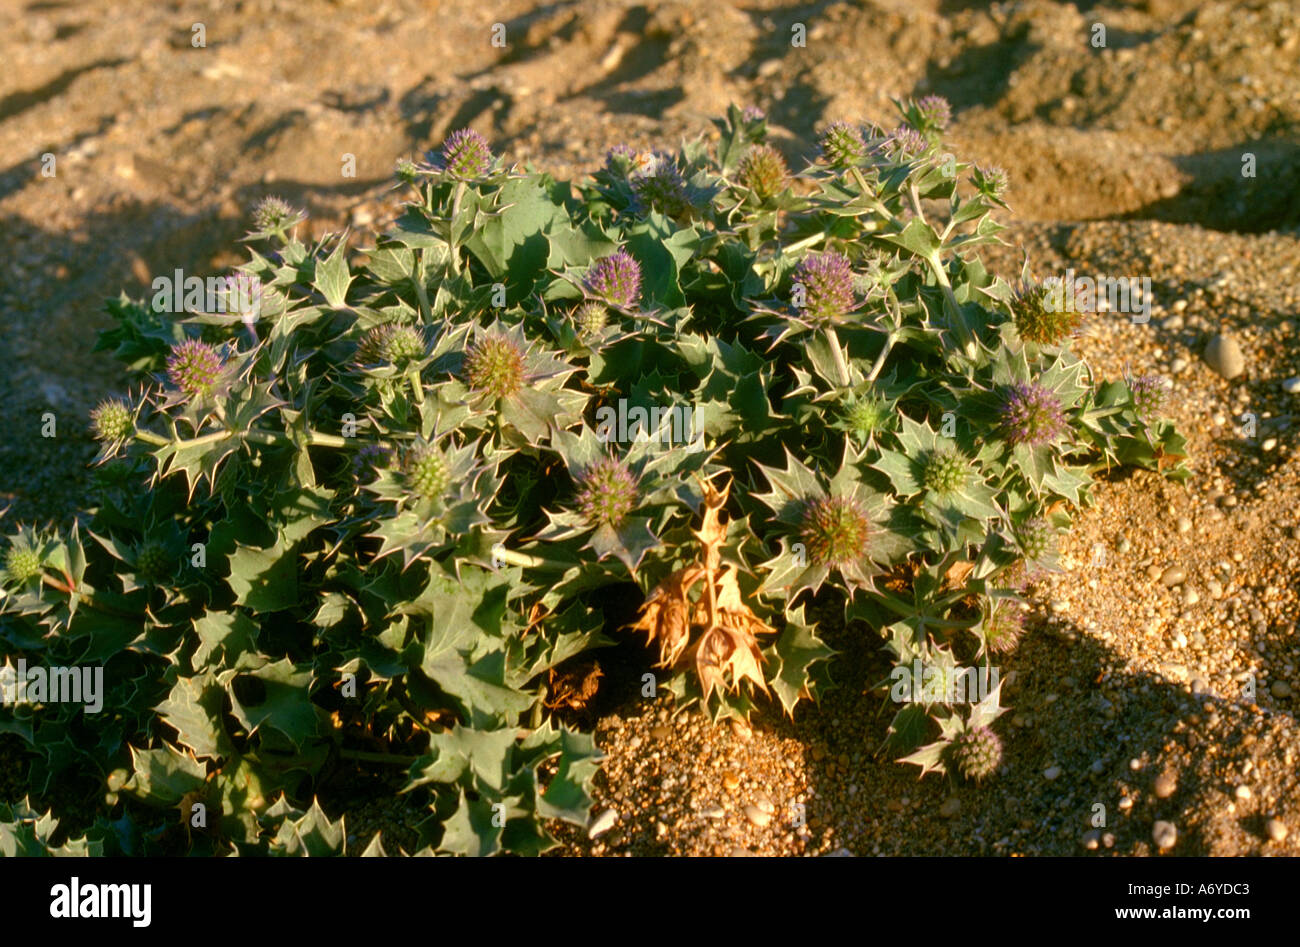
[
  {"x": 617, "y": 154},
  {"x": 827, "y": 286},
  {"x": 273, "y": 214},
  {"x": 1031, "y": 414},
  {"x": 991, "y": 181},
  {"x": 616, "y": 279},
  {"x": 496, "y": 366},
  {"x": 752, "y": 113},
  {"x": 1003, "y": 627},
  {"x": 659, "y": 185},
  {"x": 842, "y": 145},
  {"x": 195, "y": 368},
  {"x": 607, "y": 492},
  {"x": 935, "y": 111},
  {"x": 835, "y": 530},
  {"x": 906, "y": 143},
  {"x": 466, "y": 155},
  {"x": 1149, "y": 394},
  {"x": 370, "y": 457}
]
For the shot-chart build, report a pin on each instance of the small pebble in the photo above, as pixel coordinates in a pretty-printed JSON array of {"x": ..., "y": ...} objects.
[
  {"x": 1242, "y": 792},
  {"x": 1184, "y": 524},
  {"x": 1165, "y": 785},
  {"x": 1174, "y": 575},
  {"x": 602, "y": 823},
  {"x": 730, "y": 781},
  {"x": 1280, "y": 689},
  {"x": 1091, "y": 839},
  {"x": 1051, "y": 773},
  {"x": 757, "y": 816},
  {"x": 1276, "y": 829},
  {"x": 950, "y": 807},
  {"x": 1164, "y": 834},
  {"x": 1224, "y": 355},
  {"x": 1292, "y": 385}
]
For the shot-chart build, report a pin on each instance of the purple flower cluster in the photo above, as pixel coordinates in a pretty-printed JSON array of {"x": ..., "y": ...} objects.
[
  {"x": 752, "y": 113},
  {"x": 827, "y": 281},
  {"x": 1031, "y": 414},
  {"x": 607, "y": 492},
  {"x": 659, "y": 186},
  {"x": 616, "y": 279},
  {"x": 1149, "y": 394},
  {"x": 194, "y": 367},
  {"x": 991, "y": 181},
  {"x": 617, "y": 153},
  {"x": 466, "y": 155},
  {"x": 906, "y": 143},
  {"x": 935, "y": 111}
]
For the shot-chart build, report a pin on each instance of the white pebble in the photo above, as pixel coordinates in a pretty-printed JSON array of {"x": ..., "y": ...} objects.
[
  {"x": 1165, "y": 835},
  {"x": 602, "y": 823}
]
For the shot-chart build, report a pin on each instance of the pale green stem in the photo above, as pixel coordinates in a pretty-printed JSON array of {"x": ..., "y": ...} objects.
[{"x": 841, "y": 366}]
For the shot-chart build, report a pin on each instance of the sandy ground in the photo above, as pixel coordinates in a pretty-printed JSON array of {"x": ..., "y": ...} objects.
[{"x": 1132, "y": 159}]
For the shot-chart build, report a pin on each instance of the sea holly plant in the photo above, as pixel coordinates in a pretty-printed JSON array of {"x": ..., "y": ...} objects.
[{"x": 376, "y": 522}]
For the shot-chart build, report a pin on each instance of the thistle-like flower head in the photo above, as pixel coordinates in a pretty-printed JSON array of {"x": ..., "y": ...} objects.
[
  {"x": 752, "y": 113},
  {"x": 977, "y": 753},
  {"x": 1003, "y": 627},
  {"x": 659, "y": 185},
  {"x": 1036, "y": 538},
  {"x": 835, "y": 530},
  {"x": 1149, "y": 396},
  {"x": 864, "y": 417},
  {"x": 946, "y": 471},
  {"x": 370, "y": 457},
  {"x": 22, "y": 563},
  {"x": 112, "y": 422},
  {"x": 905, "y": 143},
  {"x": 991, "y": 181},
  {"x": 590, "y": 318},
  {"x": 763, "y": 171},
  {"x": 495, "y": 365},
  {"x": 842, "y": 145},
  {"x": 616, "y": 279},
  {"x": 391, "y": 343},
  {"x": 153, "y": 562},
  {"x": 466, "y": 155},
  {"x": 273, "y": 214},
  {"x": 1046, "y": 313},
  {"x": 827, "y": 281},
  {"x": 406, "y": 169},
  {"x": 195, "y": 368},
  {"x": 1031, "y": 414},
  {"x": 607, "y": 492},
  {"x": 427, "y": 472},
  {"x": 935, "y": 111},
  {"x": 618, "y": 154}
]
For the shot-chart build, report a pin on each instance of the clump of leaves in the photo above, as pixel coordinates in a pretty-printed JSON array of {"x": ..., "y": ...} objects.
[{"x": 369, "y": 523}]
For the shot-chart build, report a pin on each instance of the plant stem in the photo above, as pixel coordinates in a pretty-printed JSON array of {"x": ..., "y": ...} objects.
[
  {"x": 451, "y": 226},
  {"x": 422, "y": 295},
  {"x": 841, "y": 366},
  {"x": 314, "y": 438},
  {"x": 90, "y": 601},
  {"x": 523, "y": 560}
]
